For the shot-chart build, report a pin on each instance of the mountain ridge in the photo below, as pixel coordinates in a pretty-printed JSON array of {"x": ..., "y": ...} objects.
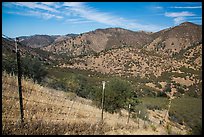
[{"x": 108, "y": 38}]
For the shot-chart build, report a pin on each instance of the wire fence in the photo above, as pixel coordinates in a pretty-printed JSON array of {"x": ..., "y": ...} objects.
[
  {"x": 51, "y": 106},
  {"x": 56, "y": 109}
]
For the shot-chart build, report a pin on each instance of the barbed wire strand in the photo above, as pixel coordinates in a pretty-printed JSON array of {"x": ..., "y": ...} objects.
[{"x": 58, "y": 106}]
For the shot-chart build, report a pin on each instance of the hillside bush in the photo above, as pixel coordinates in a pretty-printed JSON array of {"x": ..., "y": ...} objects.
[
  {"x": 117, "y": 94},
  {"x": 30, "y": 67},
  {"x": 33, "y": 68},
  {"x": 143, "y": 112},
  {"x": 58, "y": 85},
  {"x": 9, "y": 65},
  {"x": 83, "y": 90}
]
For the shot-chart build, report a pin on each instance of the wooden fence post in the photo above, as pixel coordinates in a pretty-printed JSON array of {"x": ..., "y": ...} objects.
[{"x": 19, "y": 82}]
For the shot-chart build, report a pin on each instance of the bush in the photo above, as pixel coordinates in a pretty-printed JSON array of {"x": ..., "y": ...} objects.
[
  {"x": 71, "y": 96},
  {"x": 9, "y": 65},
  {"x": 30, "y": 67},
  {"x": 83, "y": 90},
  {"x": 148, "y": 92},
  {"x": 153, "y": 127},
  {"x": 180, "y": 90},
  {"x": 161, "y": 94},
  {"x": 117, "y": 93},
  {"x": 143, "y": 112},
  {"x": 167, "y": 88},
  {"x": 33, "y": 68},
  {"x": 58, "y": 85},
  {"x": 197, "y": 129},
  {"x": 153, "y": 107}
]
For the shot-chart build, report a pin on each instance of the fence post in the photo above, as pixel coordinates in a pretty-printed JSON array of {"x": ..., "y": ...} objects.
[
  {"x": 128, "y": 113},
  {"x": 19, "y": 82},
  {"x": 170, "y": 95},
  {"x": 138, "y": 119},
  {"x": 144, "y": 121},
  {"x": 103, "y": 94}
]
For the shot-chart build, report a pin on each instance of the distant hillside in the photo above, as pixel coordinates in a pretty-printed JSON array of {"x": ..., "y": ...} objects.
[
  {"x": 37, "y": 41},
  {"x": 170, "y": 55},
  {"x": 9, "y": 49},
  {"x": 155, "y": 62},
  {"x": 172, "y": 40},
  {"x": 169, "y": 41},
  {"x": 99, "y": 40}
]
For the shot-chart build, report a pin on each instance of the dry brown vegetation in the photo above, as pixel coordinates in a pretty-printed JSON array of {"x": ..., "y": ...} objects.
[
  {"x": 48, "y": 111},
  {"x": 99, "y": 40},
  {"x": 136, "y": 63}
]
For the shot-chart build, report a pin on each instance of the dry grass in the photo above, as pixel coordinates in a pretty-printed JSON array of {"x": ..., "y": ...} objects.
[
  {"x": 52, "y": 112},
  {"x": 48, "y": 111}
]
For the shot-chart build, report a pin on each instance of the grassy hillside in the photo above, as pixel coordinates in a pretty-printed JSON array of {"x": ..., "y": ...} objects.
[{"x": 53, "y": 112}]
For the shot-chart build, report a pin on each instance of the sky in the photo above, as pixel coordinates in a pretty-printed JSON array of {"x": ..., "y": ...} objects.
[{"x": 61, "y": 18}]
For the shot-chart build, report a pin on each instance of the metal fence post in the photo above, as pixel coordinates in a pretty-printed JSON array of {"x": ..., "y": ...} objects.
[
  {"x": 102, "y": 104},
  {"x": 138, "y": 119},
  {"x": 128, "y": 113}
]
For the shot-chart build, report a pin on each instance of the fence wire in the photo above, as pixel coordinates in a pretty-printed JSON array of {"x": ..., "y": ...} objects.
[{"x": 55, "y": 110}]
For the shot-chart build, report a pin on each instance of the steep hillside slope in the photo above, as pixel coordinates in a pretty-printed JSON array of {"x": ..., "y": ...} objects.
[
  {"x": 99, "y": 40},
  {"x": 172, "y": 40},
  {"x": 141, "y": 64}
]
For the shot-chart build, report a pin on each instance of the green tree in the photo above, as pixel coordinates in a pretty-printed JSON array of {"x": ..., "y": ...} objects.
[
  {"x": 58, "y": 85},
  {"x": 167, "y": 88},
  {"x": 33, "y": 68},
  {"x": 30, "y": 67},
  {"x": 82, "y": 90},
  {"x": 9, "y": 65},
  {"x": 117, "y": 93}
]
